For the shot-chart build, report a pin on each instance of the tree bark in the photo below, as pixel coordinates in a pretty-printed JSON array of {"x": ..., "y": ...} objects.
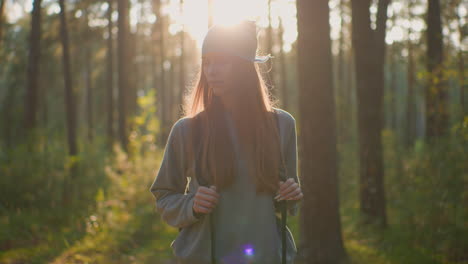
[
  {"x": 88, "y": 77},
  {"x": 33, "y": 68},
  {"x": 70, "y": 108},
  {"x": 369, "y": 47},
  {"x": 123, "y": 78},
  {"x": 170, "y": 91},
  {"x": 410, "y": 109},
  {"x": 436, "y": 88},
  {"x": 270, "y": 43},
  {"x": 392, "y": 89},
  {"x": 340, "y": 85},
  {"x": 282, "y": 58},
  {"x": 2, "y": 18},
  {"x": 321, "y": 240},
  {"x": 110, "y": 78},
  {"x": 161, "y": 102},
  {"x": 461, "y": 66},
  {"x": 181, "y": 65}
]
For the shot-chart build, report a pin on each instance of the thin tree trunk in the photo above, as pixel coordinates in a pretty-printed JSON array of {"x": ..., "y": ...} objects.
[
  {"x": 33, "y": 68},
  {"x": 282, "y": 58},
  {"x": 269, "y": 35},
  {"x": 89, "y": 96},
  {"x": 461, "y": 67},
  {"x": 70, "y": 108},
  {"x": 2, "y": 18},
  {"x": 123, "y": 78},
  {"x": 321, "y": 240},
  {"x": 393, "y": 89},
  {"x": 8, "y": 119},
  {"x": 133, "y": 70},
  {"x": 181, "y": 65},
  {"x": 340, "y": 83},
  {"x": 170, "y": 92},
  {"x": 110, "y": 78},
  {"x": 411, "y": 109},
  {"x": 369, "y": 47},
  {"x": 350, "y": 88},
  {"x": 88, "y": 73},
  {"x": 161, "y": 86},
  {"x": 436, "y": 89}
]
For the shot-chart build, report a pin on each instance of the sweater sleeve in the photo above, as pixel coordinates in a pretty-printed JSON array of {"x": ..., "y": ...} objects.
[
  {"x": 173, "y": 204},
  {"x": 291, "y": 161}
]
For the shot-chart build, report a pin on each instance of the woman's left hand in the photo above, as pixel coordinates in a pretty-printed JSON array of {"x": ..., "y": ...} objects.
[{"x": 289, "y": 190}]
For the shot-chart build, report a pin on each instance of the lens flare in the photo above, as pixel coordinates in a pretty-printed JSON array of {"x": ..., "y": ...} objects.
[{"x": 248, "y": 250}]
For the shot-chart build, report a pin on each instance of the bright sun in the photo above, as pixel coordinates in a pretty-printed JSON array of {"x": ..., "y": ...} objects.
[
  {"x": 230, "y": 12},
  {"x": 195, "y": 17}
]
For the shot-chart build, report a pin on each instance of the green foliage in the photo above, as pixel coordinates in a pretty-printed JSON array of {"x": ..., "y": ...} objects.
[
  {"x": 124, "y": 228},
  {"x": 35, "y": 221},
  {"x": 426, "y": 193},
  {"x": 426, "y": 201},
  {"x": 146, "y": 126}
]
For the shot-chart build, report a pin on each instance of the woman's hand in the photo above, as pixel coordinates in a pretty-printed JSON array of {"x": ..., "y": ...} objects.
[
  {"x": 289, "y": 190},
  {"x": 206, "y": 200}
]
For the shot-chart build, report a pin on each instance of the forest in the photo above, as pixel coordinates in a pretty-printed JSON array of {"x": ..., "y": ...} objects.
[{"x": 90, "y": 89}]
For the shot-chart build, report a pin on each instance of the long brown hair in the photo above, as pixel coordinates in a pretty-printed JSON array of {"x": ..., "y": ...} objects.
[{"x": 255, "y": 124}]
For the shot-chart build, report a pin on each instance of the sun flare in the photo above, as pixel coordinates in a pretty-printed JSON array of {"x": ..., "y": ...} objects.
[{"x": 229, "y": 12}]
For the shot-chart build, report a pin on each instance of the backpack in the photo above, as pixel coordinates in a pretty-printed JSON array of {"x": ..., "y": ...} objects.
[{"x": 203, "y": 182}]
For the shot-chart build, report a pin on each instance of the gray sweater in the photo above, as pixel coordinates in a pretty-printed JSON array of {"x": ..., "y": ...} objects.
[{"x": 247, "y": 224}]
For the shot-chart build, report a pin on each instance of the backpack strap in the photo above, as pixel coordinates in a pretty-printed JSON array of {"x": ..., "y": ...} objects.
[
  {"x": 196, "y": 144},
  {"x": 283, "y": 205}
]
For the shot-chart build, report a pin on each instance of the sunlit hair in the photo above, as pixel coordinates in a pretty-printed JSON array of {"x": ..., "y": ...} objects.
[{"x": 256, "y": 128}]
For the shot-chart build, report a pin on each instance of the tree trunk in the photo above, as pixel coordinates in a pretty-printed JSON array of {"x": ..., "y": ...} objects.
[
  {"x": 269, "y": 35},
  {"x": 461, "y": 66},
  {"x": 321, "y": 240},
  {"x": 8, "y": 119},
  {"x": 436, "y": 89},
  {"x": 88, "y": 77},
  {"x": 33, "y": 68},
  {"x": 369, "y": 46},
  {"x": 411, "y": 109},
  {"x": 340, "y": 93},
  {"x": 2, "y": 18},
  {"x": 70, "y": 108},
  {"x": 161, "y": 85},
  {"x": 133, "y": 70},
  {"x": 123, "y": 78},
  {"x": 170, "y": 91},
  {"x": 284, "y": 77},
  {"x": 393, "y": 116},
  {"x": 181, "y": 65},
  {"x": 110, "y": 78},
  {"x": 349, "y": 88}
]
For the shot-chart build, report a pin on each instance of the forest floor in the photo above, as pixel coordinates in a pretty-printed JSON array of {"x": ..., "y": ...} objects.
[{"x": 124, "y": 228}]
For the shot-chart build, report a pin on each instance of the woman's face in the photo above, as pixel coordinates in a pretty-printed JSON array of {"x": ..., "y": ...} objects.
[{"x": 218, "y": 72}]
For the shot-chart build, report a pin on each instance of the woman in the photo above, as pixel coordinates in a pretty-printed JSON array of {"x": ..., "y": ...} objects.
[{"x": 221, "y": 174}]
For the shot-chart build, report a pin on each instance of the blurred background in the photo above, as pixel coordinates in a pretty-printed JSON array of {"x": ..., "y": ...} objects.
[{"x": 89, "y": 91}]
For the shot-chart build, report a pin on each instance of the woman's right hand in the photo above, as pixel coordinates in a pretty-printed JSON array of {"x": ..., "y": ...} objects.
[{"x": 206, "y": 200}]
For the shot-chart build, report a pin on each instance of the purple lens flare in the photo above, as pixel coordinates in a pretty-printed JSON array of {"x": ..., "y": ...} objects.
[{"x": 249, "y": 250}]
